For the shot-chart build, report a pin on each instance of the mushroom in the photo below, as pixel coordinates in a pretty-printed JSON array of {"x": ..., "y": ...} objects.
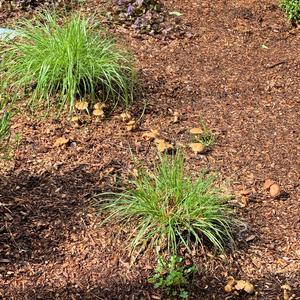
[
  {"x": 163, "y": 146},
  {"x": 197, "y": 147},
  {"x": 131, "y": 125},
  {"x": 81, "y": 105},
  {"x": 286, "y": 288},
  {"x": 125, "y": 116},
  {"x": 267, "y": 184},
  {"x": 98, "y": 112},
  {"x": 176, "y": 117},
  {"x": 99, "y": 106},
  {"x": 196, "y": 131},
  {"x": 75, "y": 119},
  {"x": 275, "y": 190},
  {"x": 229, "y": 286}
]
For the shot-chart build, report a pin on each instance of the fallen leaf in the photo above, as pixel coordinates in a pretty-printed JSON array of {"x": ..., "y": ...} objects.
[
  {"x": 81, "y": 105},
  {"x": 275, "y": 190},
  {"x": 197, "y": 147},
  {"x": 267, "y": 184},
  {"x": 196, "y": 131},
  {"x": 61, "y": 141},
  {"x": 250, "y": 238}
]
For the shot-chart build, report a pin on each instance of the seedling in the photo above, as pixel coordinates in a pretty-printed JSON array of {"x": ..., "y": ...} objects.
[
  {"x": 172, "y": 276},
  {"x": 202, "y": 135}
]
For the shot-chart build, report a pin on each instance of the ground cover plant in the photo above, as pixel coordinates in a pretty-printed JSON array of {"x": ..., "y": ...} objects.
[
  {"x": 291, "y": 9},
  {"x": 146, "y": 17},
  {"x": 59, "y": 61},
  {"x": 172, "y": 210},
  {"x": 172, "y": 276}
]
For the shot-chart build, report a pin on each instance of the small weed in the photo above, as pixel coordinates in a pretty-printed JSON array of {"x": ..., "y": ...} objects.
[
  {"x": 291, "y": 9},
  {"x": 61, "y": 60},
  {"x": 203, "y": 135},
  {"x": 206, "y": 138},
  {"x": 172, "y": 276},
  {"x": 169, "y": 209}
]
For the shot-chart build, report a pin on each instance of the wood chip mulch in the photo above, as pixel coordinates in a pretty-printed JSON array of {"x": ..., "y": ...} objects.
[{"x": 239, "y": 70}]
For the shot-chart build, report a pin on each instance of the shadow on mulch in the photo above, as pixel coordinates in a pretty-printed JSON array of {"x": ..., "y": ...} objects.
[
  {"x": 114, "y": 290},
  {"x": 38, "y": 213}
]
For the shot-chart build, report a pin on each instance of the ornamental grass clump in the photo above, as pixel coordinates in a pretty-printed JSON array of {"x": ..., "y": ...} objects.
[
  {"x": 57, "y": 61},
  {"x": 170, "y": 210},
  {"x": 291, "y": 9}
]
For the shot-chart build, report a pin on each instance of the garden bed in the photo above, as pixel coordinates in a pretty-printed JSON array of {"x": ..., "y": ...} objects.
[{"x": 238, "y": 69}]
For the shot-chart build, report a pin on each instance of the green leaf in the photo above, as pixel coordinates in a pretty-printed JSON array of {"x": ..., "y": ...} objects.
[{"x": 175, "y": 13}]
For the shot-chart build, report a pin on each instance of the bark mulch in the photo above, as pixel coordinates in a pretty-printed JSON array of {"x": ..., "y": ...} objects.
[{"x": 238, "y": 68}]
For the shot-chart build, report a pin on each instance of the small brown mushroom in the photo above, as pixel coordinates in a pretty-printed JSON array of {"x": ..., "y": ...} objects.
[
  {"x": 196, "y": 131},
  {"x": 286, "y": 288},
  {"x": 98, "y": 112},
  {"x": 99, "y": 106},
  {"x": 275, "y": 190},
  {"x": 197, "y": 147},
  {"x": 81, "y": 105}
]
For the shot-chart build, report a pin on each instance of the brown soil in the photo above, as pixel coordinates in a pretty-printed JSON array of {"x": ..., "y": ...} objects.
[{"x": 249, "y": 95}]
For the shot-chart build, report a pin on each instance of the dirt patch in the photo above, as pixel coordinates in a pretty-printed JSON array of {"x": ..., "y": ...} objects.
[{"x": 239, "y": 71}]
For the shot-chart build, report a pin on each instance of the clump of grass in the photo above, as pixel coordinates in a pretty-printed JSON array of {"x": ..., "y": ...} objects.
[
  {"x": 170, "y": 209},
  {"x": 63, "y": 60},
  {"x": 291, "y": 9},
  {"x": 5, "y": 116}
]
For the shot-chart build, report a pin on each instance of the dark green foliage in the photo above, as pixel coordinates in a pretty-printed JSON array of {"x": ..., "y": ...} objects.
[{"x": 291, "y": 9}]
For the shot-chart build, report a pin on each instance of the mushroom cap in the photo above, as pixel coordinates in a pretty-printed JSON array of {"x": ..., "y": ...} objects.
[
  {"x": 197, "y": 147},
  {"x": 98, "y": 112},
  {"x": 196, "y": 130},
  {"x": 75, "y": 119},
  {"x": 81, "y": 105},
  {"x": 286, "y": 287},
  {"x": 99, "y": 106},
  {"x": 240, "y": 284},
  {"x": 275, "y": 190},
  {"x": 162, "y": 145},
  {"x": 132, "y": 122}
]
